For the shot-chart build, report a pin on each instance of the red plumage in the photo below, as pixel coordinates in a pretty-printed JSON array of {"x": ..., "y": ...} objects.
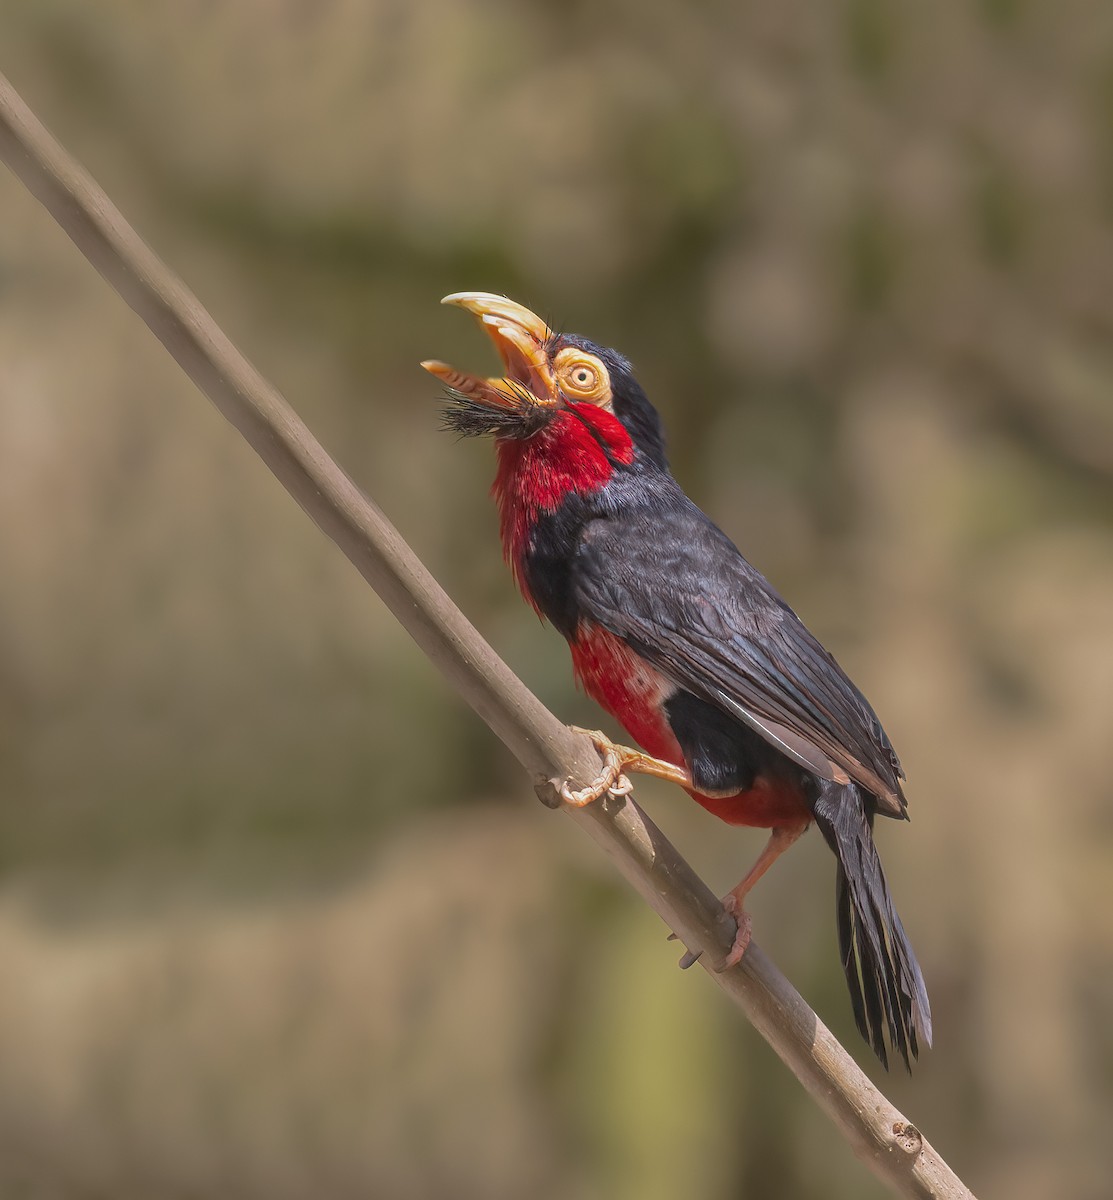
[{"x": 535, "y": 475}]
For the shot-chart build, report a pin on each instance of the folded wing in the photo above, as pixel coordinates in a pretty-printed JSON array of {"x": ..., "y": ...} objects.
[{"x": 691, "y": 605}]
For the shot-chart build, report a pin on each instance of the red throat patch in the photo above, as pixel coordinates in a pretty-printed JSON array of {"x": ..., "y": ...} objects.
[{"x": 572, "y": 454}]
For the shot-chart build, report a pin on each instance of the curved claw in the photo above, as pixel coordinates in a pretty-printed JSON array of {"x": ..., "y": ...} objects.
[
  {"x": 742, "y": 934},
  {"x": 611, "y": 781}
]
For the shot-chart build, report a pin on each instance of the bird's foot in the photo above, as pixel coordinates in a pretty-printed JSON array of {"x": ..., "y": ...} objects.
[
  {"x": 741, "y": 941},
  {"x": 743, "y": 933},
  {"x": 610, "y": 781},
  {"x": 617, "y": 760}
]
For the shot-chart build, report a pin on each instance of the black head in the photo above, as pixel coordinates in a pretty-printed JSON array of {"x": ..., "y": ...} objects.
[
  {"x": 628, "y": 400},
  {"x": 547, "y": 374}
]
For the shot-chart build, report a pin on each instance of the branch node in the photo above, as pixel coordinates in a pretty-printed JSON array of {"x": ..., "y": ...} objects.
[
  {"x": 907, "y": 1138},
  {"x": 548, "y": 792}
]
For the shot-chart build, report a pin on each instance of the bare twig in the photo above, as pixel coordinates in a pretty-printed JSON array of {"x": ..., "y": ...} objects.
[{"x": 549, "y": 751}]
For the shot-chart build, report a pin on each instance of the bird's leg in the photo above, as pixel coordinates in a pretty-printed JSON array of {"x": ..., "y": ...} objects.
[
  {"x": 617, "y": 760},
  {"x": 779, "y": 841}
]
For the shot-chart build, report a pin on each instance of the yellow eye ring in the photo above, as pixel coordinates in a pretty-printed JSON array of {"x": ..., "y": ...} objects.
[{"x": 582, "y": 376}]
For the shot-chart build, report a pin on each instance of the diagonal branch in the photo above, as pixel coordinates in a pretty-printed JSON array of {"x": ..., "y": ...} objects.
[{"x": 548, "y": 750}]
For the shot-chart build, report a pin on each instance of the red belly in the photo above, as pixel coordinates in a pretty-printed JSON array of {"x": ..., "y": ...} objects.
[
  {"x": 634, "y": 693},
  {"x": 770, "y": 802},
  {"x": 629, "y": 689}
]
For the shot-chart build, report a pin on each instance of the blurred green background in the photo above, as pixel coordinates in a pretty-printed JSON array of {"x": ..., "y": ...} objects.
[{"x": 278, "y": 916}]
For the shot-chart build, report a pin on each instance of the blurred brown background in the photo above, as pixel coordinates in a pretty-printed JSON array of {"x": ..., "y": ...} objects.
[{"x": 278, "y": 916}]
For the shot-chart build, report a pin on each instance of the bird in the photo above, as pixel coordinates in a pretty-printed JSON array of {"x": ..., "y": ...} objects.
[{"x": 686, "y": 644}]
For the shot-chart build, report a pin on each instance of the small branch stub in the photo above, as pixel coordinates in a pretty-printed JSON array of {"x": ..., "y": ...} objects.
[
  {"x": 548, "y": 792},
  {"x": 907, "y": 1138}
]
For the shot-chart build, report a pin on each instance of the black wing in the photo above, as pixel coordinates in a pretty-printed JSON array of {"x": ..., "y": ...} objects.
[{"x": 677, "y": 589}]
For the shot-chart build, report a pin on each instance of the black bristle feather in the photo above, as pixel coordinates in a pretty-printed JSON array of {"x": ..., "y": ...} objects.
[{"x": 469, "y": 417}]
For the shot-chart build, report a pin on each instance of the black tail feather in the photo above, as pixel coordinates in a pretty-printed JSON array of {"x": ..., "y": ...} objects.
[{"x": 887, "y": 991}]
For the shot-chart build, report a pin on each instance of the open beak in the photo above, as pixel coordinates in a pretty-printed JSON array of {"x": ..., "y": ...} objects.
[{"x": 520, "y": 338}]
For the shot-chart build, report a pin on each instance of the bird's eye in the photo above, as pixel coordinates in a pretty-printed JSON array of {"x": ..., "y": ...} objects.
[{"x": 582, "y": 376}]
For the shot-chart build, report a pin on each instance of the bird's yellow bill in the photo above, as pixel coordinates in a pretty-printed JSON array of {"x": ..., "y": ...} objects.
[{"x": 520, "y": 337}]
